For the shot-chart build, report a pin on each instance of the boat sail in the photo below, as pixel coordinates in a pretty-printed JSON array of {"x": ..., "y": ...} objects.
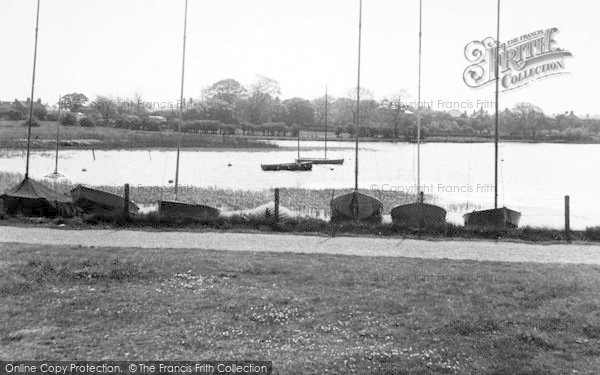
[
  {"x": 323, "y": 160},
  {"x": 495, "y": 218},
  {"x": 356, "y": 206},
  {"x": 176, "y": 208},
  {"x": 419, "y": 214}
]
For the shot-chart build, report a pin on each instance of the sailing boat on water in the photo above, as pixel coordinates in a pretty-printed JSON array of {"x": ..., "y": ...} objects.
[
  {"x": 176, "y": 208},
  {"x": 323, "y": 160},
  {"x": 496, "y": 218},
  {"x": 419, "y": 213},
  {"x": 356, "y": 206}
]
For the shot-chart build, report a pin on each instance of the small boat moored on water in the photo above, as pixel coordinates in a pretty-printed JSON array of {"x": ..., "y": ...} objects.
[
  {"x": 320, "y": 161},
  {"x": 304, "y": 166},
  {"x": 323, "y": 160},
  {"x": 495, "y": 218}
]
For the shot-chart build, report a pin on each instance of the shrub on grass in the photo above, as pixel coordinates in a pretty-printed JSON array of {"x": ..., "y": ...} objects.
[
  {"x": 15, "y": 115},
  {"x": 34, "y": 122},
  {"x": 150, "y": 124},
  {"x": 68, "y": 119},
  {"x": 52, "y": 116},
  {"x": 87, "y": 122},
  {"x": 592, "y": 233}
]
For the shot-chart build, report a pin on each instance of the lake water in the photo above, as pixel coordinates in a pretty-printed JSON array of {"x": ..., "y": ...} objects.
[{"x": 533, "y": 178}]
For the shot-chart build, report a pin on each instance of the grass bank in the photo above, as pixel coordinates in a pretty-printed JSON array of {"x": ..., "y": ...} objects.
[
  {"x": 309, "y": 314},
  {"x": 14, "y": 136}
]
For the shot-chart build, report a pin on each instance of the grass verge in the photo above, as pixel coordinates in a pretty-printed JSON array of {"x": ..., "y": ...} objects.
[{"x": 306, "y": 313}]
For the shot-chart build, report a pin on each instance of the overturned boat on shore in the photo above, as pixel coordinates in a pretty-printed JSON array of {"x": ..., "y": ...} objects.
[
  {"x": 495, "y": 218},
  {"x": 356, "y": 207},
  {"x": 419, "y": 214},
  {"x": 92, "y": 200},
  {"x": 181, "y": 209},
  {"x": 32, "y": 198}
]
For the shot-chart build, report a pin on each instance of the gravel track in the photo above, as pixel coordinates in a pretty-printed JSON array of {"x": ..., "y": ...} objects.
[{"x": 361, "y": 246}]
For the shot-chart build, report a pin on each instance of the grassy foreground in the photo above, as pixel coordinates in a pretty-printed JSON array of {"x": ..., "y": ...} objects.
[
  {"x": 306, "y": 313},
  {"x": 13, "y": 135}
]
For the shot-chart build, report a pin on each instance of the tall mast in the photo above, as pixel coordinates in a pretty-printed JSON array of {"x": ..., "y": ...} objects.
[
  {"x": 419, "y": 107},
  {"x": 57, "y": 137},
  {"x": 496, "y": 119},
  {"x": 181, "y": 102},
  {"x": 37, "y": 19},
  {"x": 325, "y": 121},
  {"x": 358, "y": 98}
]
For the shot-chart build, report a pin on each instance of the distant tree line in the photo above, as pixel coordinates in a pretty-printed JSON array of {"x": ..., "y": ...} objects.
[{"x": 227, "y": 107}]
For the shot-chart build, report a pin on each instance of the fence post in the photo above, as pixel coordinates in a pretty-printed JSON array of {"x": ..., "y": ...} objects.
[
  {"x": 276, "y": 205},
  {"x": 126, "y": 201},
  {"x": 567, "y": 218}
]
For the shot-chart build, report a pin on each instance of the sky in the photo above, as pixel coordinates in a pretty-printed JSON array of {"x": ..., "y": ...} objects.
[{"x": 122, "y": 47}]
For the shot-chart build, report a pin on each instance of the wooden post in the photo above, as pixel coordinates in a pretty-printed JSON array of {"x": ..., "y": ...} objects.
[
  {"x": 126, "y": 202},
  {"x": 276, "y": 205},
  {"x": 567, "y": 218},
  {"x": 94, "y": 154}
]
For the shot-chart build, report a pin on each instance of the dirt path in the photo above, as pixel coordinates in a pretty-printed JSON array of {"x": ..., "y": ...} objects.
[{"x": 362, "y": 246}]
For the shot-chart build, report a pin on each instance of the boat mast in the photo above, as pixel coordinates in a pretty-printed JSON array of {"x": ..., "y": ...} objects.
[
  {"x": 37, "y": 19},
  {"x": 181, "y": 101},
  {"x": 57, "y": 137},
  {"x": 496, "y": 63},
  {"x": 325, "y": 121},
  {"x": 419, "y": 195},
  {"x": 357, "y": 98}
]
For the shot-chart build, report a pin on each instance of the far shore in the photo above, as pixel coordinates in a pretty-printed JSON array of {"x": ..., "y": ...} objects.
[{"x": 13, "y": 136}]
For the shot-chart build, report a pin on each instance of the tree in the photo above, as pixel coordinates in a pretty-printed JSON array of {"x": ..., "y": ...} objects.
[
  {"x": 106, "y": 107},
  {"x": 262, "y": 94},
  {"x": 87, "y": 122},
  {"x": 300, "y": 111},
  {"x": 228, "y": 90},
  {"x": 73, "y": 102},
  {"x": 68, "y": 119},
  {"x": 528, "y": 116}
]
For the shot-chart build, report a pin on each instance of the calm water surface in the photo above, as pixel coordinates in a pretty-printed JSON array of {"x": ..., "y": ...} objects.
[{"x": 534, "y": 178}]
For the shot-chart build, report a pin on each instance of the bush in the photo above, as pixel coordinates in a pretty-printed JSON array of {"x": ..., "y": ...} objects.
[
  {"x": 68, "y": 119},
  {"x": 40, "y": 111},
  {"x": 128, "y": 122},
  {"x": 52, "y": 116},
  {"x": 87, "y": 122},
  {"x": 15, "y": 115},
  {"x": 150, "y": 124},
  {"x": 34, "y": 122}
]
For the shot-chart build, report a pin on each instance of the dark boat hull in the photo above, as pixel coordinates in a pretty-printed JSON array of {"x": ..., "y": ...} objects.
[
  {"x": 356, "y": 207},
  {"x": 419, "y": 215},
  {"x": 180, "y": 209},
  {"x": 300, "y": 167},
  {"x": 497, "y": 218},
  {"x": 320, "y": 161},
  {"x": 98, "y": 201}
]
